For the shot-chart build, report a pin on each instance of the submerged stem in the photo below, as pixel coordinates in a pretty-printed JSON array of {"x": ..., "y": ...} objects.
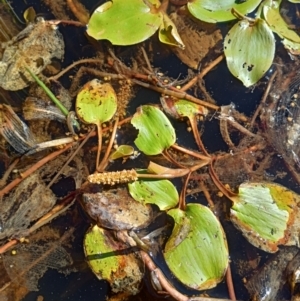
[{"x": 99, "y": 131}]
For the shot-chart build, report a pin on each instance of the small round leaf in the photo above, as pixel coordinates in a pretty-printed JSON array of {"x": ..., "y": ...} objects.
[{"x": 96, "y": 102}]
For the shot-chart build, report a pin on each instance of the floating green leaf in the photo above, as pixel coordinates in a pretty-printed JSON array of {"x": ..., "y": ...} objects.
[
  {"x": 168, "y": 33},
  {"x": 271, "y": 13},
  {"x": 125, "y": 22},
  {"x": 156, "y": 133},
  {"x": 219, "y": 10},
  {"x": 197, "y": 252},
  {"x": 96, "y": 103},
  {"x": 249, "y": 48},
  {"x": 161, "y": 193},
  {"x": 265, "y": 213},
  {"x": 123, "y": 272}
]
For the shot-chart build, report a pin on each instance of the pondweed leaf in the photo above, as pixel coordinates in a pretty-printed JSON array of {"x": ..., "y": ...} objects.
[
  {"x": 125, "y": 22},
  {"x": 161, "y": 193},
  {"x": 271, "y": 13},
  {"x": 156, "y": 133},
  {"x": 267, "y": 214},
  {"x": 96, "y": 102},
  {"x": 124, "y": 272},
  {"x": 219, "y": 10},
  {"x": 197, "y": 252},
  {"x": 168, "y": 33},
  {"x": 249, "y": 48}
]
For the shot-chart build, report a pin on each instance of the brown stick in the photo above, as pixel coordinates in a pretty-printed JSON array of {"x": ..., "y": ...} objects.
[
  {"x": 194, "y": 80},
  {"x": 190, "y": 152},
  {"x": 32, "y": 169},
  {"x": 167, "y": 286},
  {"x": 263, "y": 99},
  {"x": 83, "y": 61},
  {"x": 8, "y": 171},
  {"x": 79, "y": 11},
  {"x": 182, "y": 202},
  {"x": 103, "y": 163},
  {"x": 177, "y": 94},
  {"x": 229, "y": 283},
  {"x": 8, "y": 245}
]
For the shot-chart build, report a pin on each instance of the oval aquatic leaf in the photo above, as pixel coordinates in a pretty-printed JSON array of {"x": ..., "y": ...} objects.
[
  {"x": 124, "y": 272},
  {"x": 161, "y": 193},
  {"x": 197, "y": 252},
  {"x": 271, "y": 13},
  {"x": 219, "y": 10},
  {"x": 249, "y": 49},
  {"x": 265, "y": 213},
  {"x": 125, "y": 22},
  {"x": 96, "y": 102},
  {"x": 156, "y": 133},
  {"x": 168, "y": 33}
]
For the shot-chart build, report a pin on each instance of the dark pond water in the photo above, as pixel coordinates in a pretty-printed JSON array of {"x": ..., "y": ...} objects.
[{"x": 224, "y": 88}]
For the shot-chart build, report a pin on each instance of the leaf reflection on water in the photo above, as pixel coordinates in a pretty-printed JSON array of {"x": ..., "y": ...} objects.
[{"x": 265, "y": 284}]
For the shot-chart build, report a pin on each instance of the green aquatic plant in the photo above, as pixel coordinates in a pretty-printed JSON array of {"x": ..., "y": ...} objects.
[
  {"x": 96, "y": 103},
  {"x": 249, "y": 46},
  {"x": 156, "y": 132}
]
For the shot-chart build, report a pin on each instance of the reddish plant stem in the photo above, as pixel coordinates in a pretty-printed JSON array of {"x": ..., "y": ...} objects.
[
  {"x": 229, "y": 283},
  {"x": 32, "y": 169},
  {"x": 103, "y": 163},
  {"x": 182, "y": 202},
  {"x": 86, "y": 138},
  {"x": 194, "y": 125},
  {"x": 8, "y": 172},
  {"x": 177, "y": 94},
  {"x": 8, "y": 245},
  {"x": 54, "y": 212},
  {"x": 168, "y": 157},
  {"x": 83, "y": 61},
  {"x": 207, "y": 195},
  {"x": 229, "y": 194},
  {"x": 79, "y": 11},
  {"x": 192, "y": 153}
]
